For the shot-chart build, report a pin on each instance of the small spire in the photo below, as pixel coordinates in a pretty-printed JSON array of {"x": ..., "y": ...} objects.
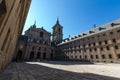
[
  {"x": 57, "y": 20},
  {"x": 34, "y": 24},
  {"x": 94, "y": 25}
]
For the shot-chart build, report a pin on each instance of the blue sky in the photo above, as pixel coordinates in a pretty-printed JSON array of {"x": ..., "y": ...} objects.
[{"x": 75, "y": 16}]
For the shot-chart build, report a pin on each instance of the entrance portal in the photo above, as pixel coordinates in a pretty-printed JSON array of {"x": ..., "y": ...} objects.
[
  {"x": 38, "y": 55},
  {"x": 19, "y": 55},
  {"x": 44, "y": 55},
  {"x": 31, "y": 55},
  {"x": 51, "y": 56}
]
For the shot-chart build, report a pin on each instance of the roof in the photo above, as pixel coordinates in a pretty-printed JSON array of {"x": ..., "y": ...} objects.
[{"x": 99, "y": 29}]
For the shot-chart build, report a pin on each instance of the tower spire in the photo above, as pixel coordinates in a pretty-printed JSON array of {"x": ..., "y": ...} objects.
[
  {"x": 57, "y": 20},
  {"x": 34, "y": 24}
]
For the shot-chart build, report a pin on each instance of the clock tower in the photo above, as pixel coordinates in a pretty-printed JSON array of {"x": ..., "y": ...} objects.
[{"x": 57, "y": 34}]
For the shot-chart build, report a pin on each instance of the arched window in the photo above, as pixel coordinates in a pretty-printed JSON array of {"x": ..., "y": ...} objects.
[
  {"x": 31, "y": 55},
  {"x": 41, "y": 34},
  {"x": 38, "y": 55}
]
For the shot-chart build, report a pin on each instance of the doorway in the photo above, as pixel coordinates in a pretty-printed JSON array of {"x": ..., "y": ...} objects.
[
  {"x": 44, "y": 55},
  {"x": 38, "y": 55},
  {"x": 19, "y": 55},
  {"x": 31, "y": 55}
]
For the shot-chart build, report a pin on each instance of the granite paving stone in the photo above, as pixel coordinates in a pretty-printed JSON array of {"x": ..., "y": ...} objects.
[{"x": 60, "y": 70}]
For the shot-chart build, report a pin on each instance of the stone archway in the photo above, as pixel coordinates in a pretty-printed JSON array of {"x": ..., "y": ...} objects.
[
  {"x": 51, "y": 56},
  {"x": 19, "y": 55},
  {"x": 38, "y": 55},
  {"x": 44, "y": 55},
  {"x": 31, "y": 55}
]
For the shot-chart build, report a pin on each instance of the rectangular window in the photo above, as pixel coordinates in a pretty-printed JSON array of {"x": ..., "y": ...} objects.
[
  {"x": 103, "y": 56},
  {"x": 118, "y": 31},
  {"x": 2, "y": 14},
  {"x": 2, "y": 7},
  {"x": 111, "y": 33},
  {"x": 108, "y": 48},
  {"x": 85, "y": 57},
  {"x": 80, "y": 56},
  {"x": 94, "y": 44},
  {"x": 110, "y": 56},
  {"x": 89, "y": 45},
  {"x": 75, "y": 57},
  {"x": 96, "y": 56},
  {"x": 101, "y": 49},
  {"x": 95, "y": 49},
  {"x": 116, "y": 47},
  {"x": 118, "y": 56},
  {"x": 100, "y": 43},
  {"x": 103, "y": 34},
  {"x": 114, "y": 41},
  {"x": 91, "y": 56},
  {"x": 106, "y": 42},
  {"x": 5, "y": 40},
  {"x": 90, "y": 50}
]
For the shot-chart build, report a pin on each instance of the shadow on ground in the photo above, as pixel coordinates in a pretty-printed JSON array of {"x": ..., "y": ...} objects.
[
  {"x": 68, "y": 62},
  {"x": 26, "y": 71}
]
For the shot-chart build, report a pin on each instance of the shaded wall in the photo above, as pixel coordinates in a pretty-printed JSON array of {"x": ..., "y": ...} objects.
[{"x": 13, "y": 14}]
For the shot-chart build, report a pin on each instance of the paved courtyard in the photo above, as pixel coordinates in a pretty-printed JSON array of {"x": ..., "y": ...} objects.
[{"x": 55, "y": 70}]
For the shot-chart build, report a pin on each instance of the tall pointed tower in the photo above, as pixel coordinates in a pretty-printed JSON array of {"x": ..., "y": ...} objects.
[{"x": 57, "y": 35}]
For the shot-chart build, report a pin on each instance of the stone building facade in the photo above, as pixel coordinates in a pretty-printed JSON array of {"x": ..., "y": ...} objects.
[
  {"x": 100, "y": 44},
  {"x": 13, "y": 14},
  {"x": 36, "y": 44}
]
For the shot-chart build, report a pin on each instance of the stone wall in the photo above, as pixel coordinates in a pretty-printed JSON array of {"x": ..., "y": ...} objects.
[
  {"x": 12, "y": 18},
  {"x": 102, "y": 45}
]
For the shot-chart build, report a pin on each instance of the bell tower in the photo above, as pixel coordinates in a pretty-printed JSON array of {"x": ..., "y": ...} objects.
[{"x": 57, "y": 34}]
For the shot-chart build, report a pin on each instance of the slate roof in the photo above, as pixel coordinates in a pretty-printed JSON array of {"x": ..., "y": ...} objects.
[{"x": 98, "y": 29}]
